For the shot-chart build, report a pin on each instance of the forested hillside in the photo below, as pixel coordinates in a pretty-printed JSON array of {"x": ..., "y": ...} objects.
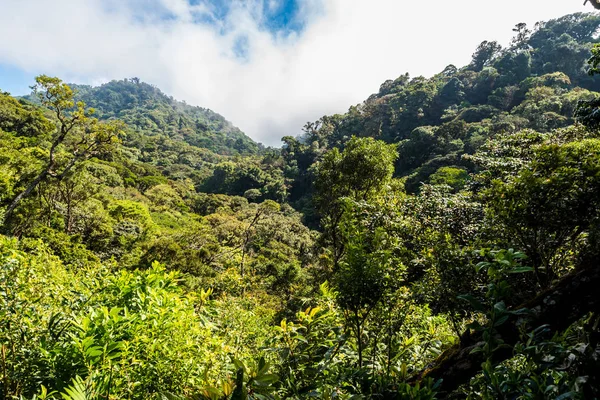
[
  {"x": 439, "y": 240},
  {"x": 535, "y": 83},
  {"x": 144, "y": 108}
]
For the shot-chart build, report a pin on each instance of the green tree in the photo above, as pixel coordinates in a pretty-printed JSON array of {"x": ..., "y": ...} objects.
[
  {"x": 521, "y": 38},
  {"x": 360, "y": 172},
  {"x": 485, "y": 54},
  {"x": 77, "y": 135},
  {"x": 454, "y": 177},
  {"x": 550, "y": 204},
  {"x": 368, "y": 272},
  {"x": 594, "y": 60}
]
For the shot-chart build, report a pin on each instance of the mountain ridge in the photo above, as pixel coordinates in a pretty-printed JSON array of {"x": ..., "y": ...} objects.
[{"x": 144, "y": 107}]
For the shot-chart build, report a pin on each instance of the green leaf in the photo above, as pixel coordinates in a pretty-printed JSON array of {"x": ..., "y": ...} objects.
[
  {"x": 267, "y": 379},
  {"x": 475, "y": 303},
  {"x": 520, "y": 270},
  {"x": 568, "y": 395},
  {"x": 501, "y": 320}
]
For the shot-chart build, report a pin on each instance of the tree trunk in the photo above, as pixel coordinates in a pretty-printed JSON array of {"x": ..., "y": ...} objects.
[
  {"x": 359, "y": 340},
  {"x": 69, "y": 216},
  {"x": 561, "y": 305},
  {"x": 30, "y": 188}
]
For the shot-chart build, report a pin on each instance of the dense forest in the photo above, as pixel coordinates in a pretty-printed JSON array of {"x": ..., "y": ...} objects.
[{"x": 439, "y": 240}]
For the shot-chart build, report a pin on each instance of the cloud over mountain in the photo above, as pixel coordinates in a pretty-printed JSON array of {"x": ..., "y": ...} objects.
[{"x": 267, "y": 65}]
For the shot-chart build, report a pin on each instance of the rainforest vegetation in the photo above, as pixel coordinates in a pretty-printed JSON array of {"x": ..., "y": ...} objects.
[{"x": 439, "y": 240}]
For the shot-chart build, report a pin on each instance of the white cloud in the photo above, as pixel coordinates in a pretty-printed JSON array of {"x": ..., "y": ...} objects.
[{"x": 347, "y": 49}]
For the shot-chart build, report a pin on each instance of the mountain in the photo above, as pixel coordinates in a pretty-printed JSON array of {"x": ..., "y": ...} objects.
[
  {"x": 146, "y": 109},
  {"x": 536, "y": 82},
  {"x": 157, "y": 252},
  {"x": 167, "y": 136}
]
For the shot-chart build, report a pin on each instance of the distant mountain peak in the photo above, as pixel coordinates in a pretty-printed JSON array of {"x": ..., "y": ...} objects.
[{"x": 144, "y": 107}]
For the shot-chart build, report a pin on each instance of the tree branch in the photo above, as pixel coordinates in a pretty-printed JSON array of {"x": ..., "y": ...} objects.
[{"x": 559, "y": 306}]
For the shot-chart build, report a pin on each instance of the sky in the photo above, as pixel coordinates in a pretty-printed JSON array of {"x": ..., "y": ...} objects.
[{"x": 269, "y": 66}]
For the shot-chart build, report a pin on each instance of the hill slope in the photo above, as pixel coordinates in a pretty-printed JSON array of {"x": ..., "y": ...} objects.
[
  {"x": 534, "y": 83},
  {"x": 145, "y": 108}
]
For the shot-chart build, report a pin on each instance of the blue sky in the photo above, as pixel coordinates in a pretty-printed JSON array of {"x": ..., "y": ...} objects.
[
  {"x": 269, "y": 66},
  {"x": 282, "y": 18},
  {"x": 277, "y": 17},
  {"x": 15, "y": 80}
]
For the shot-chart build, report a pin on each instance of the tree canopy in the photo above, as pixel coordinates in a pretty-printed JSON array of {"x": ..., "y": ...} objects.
[{"x": 438, "y": 240}]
